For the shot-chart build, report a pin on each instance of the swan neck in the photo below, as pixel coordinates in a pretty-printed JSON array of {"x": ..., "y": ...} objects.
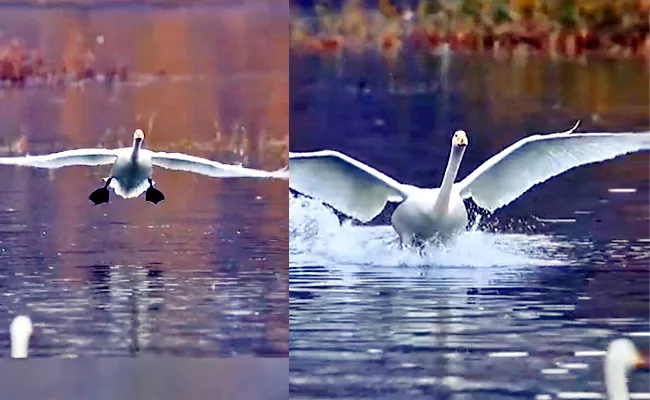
[
  {"x": 137, "y": 144},
  {"x": 19, "y": 346},
  {"x": 616, "y": 381},
  {"x": 453, "y": 165}
]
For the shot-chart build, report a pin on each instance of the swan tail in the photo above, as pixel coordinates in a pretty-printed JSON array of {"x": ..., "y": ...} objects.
[{"x": 128, "y": 193}]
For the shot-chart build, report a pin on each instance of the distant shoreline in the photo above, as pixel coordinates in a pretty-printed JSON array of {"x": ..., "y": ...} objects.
[{"x": 501, "y": 32}]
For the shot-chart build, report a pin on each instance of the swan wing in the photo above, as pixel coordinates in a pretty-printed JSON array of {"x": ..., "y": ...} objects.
[
  {"x": 66, "y": 158},
  {"x": 535, "y": 159},
  {"x": 346, "y": 184},
  {"x": 203, "y": 166}
]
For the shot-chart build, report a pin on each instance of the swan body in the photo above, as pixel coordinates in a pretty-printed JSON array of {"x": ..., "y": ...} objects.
[
  {"x": 622, "y": 357},
  {"x": 132, "y": 170},
  {"x": 439, "y": 214},
  {"x": 20, "y": 331},
  {"x": 130, "y": 175},
  {"x": 415, "y": 221}
]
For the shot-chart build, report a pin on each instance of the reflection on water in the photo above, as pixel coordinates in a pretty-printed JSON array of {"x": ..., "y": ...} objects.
[
  {"x": 522, "y": 307},
  {"x": 119, "y": 310},
  {"x": 506, "y": 94},
  {"x": 203, "y": 273}
]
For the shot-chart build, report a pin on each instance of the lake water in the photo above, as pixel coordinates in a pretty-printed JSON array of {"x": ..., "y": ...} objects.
[
  {"x": 203, "y": 273},
  {"x": 524, "y": 305}
]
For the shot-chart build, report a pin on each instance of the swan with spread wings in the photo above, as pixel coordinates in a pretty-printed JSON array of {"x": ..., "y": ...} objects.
[
  {"x": 438, "y": 214},
  {"x": 132, "y": 170}
]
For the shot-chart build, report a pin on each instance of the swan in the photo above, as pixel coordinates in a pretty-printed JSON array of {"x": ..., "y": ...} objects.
[
  {"x": 621, "y": 358},
  {"x": 131, "y": 173},
  {"x": 439, "y": 214},
  {"x": 20, "y": 331}
]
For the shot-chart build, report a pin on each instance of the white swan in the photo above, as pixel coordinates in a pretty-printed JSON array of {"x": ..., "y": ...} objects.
[
  {"x": 20, "y": 331},
  {"x": 622, "y": 357},
  {"x": 132, "y": 168},
  {"x": 361, "y": 192}
]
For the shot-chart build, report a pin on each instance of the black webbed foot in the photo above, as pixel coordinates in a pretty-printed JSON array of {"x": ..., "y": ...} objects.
[
  {"x": 153, "y": 195},
  {"x": 99, "y": 196}
]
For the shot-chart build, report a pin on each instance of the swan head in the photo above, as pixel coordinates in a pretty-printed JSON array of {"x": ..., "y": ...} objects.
[
  {"x": 20, "y": 332},
  {"x": 138, "y": 136},
  {"x": 459, "y": 139},
  {"x": 622, "y": 354},
  {"x": 622, "y": 358}
]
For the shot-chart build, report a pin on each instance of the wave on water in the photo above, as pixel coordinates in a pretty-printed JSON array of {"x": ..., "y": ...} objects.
[{"x": 317, "y": 237}]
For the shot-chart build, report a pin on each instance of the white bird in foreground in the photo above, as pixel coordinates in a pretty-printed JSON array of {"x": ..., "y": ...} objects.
[
  {"x": 439, "y": 214},
  {"x": 622, "y": 358},
  {"x": 132, "y": 168},
  {"x": 20, "y": 331}
]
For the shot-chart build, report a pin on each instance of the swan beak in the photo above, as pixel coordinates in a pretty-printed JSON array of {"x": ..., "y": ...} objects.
[
  {"x": 643, "y": 361},
  {"x": 460, "y": 139}
]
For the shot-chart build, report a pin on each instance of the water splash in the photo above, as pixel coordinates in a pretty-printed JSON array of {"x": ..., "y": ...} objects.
[{"x": 317, "y": 237}]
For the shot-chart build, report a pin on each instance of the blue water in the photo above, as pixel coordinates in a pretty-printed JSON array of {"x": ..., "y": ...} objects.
[{"x": 528, "y": 299}]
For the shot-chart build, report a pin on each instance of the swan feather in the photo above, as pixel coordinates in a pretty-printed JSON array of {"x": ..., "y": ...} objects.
[
  {"x": 537, "y": 158},
  {"x": 66, "y": 158},
  {"x": 202, "y": 166},
  {"x": 344, "y": 183}
]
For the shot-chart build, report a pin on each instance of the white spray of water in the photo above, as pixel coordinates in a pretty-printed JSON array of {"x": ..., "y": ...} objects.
[{"x": 317, "y": 237}]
